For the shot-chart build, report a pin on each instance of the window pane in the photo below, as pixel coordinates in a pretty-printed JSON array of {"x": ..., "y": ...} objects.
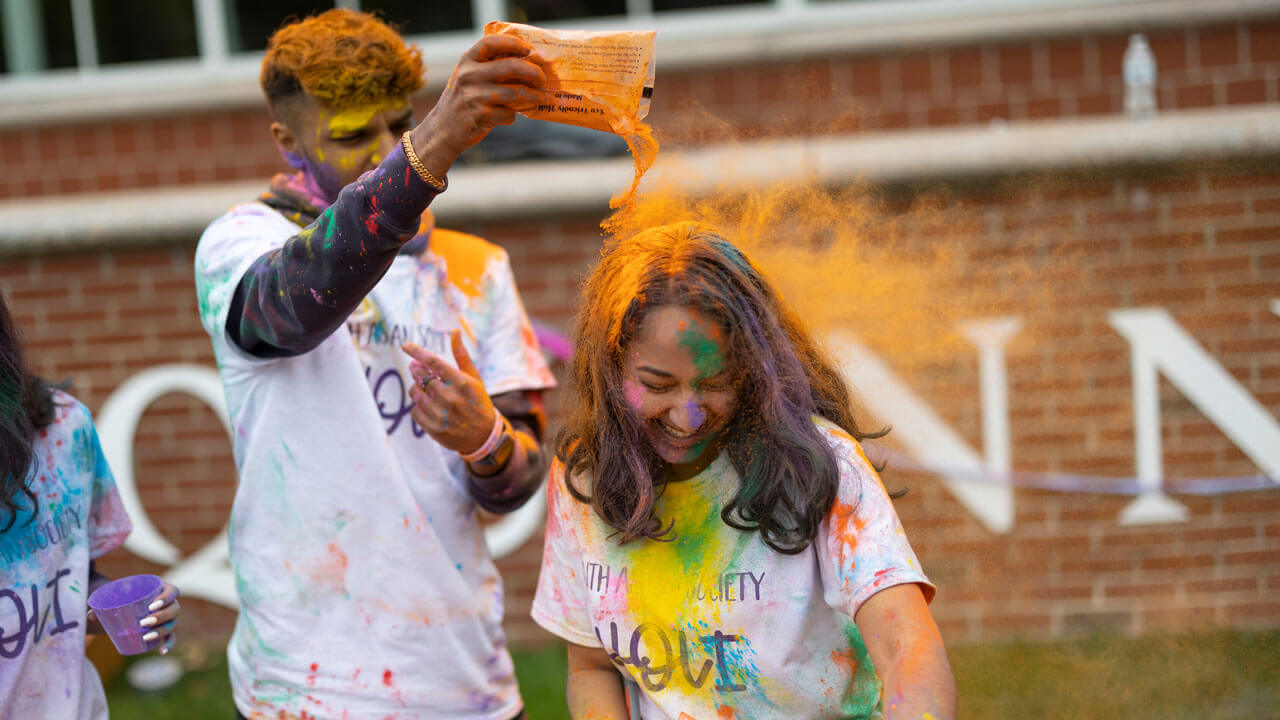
[
  {"x": 251, "y": 22},
  {"x": 134, "y": 30},
  {"x": 415, "y": 17},
  {"x": 59, "y": 37},
  {"x": 536, "y": 11},
  {"x": 663, "y": 5}
]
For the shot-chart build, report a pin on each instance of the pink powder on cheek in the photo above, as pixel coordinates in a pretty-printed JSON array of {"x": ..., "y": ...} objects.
[{"x": 634, "y": 393}]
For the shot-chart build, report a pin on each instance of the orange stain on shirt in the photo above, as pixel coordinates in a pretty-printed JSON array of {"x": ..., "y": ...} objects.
[{"x": 466, "y": 257}]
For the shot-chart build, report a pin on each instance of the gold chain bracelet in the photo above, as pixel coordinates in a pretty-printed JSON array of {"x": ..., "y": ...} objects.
[{"x": 436, "y": 183}]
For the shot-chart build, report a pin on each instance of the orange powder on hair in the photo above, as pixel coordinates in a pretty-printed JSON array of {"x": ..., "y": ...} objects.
[
  {"x": 899, "y": 279},
  {"x": 342, "y": 58}
]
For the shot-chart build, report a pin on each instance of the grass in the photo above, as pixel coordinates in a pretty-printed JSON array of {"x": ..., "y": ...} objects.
[{"x": 1213, "y": 675}]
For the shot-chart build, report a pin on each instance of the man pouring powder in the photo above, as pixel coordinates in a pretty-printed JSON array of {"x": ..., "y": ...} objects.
[{"x": 382, "y": 381}]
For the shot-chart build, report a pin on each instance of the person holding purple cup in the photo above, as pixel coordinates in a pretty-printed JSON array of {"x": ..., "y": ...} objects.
[
  {"x": 137, "y": 612},
  {"x": 59, "y": 512}
]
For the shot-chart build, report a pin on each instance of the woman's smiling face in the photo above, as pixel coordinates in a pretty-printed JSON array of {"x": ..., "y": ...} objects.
[{"x": 680, "y": 386}]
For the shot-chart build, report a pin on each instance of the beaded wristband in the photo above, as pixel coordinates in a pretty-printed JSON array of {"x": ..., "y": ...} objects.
[
  {"x": 436, "y": 183},
  {"x": 491, "y": 444}
]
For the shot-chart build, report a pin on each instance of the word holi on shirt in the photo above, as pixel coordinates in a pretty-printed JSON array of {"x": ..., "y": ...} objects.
[
  {"x": 26, "y": 541},
  {"x": 657, "y": 674},
  {"x": 726, "y": 587},
  {"x": 30, "y": 619},
  {"x": 391, "y": 393}
]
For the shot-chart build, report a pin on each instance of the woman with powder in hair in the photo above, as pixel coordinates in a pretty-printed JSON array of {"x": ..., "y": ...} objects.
[
  {"x": 715, "y": 533},
  {"x": 59, "y": 512}
]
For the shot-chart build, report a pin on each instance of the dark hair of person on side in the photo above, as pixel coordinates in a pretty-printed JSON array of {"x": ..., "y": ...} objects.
[{"x": 26, "y": 406}]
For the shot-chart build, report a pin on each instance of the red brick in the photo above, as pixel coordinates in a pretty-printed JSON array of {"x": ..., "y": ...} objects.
[
  {"x": 1015, "y": 65},
  {"x": 1066, "y": 60},
  {"x": 1141, "y": 590},
  {"x": 1177, "y": 562},
  {"x": 1263, "y": 206},
  {"x": 1186, "y": 211},
  {"x": 992, "y": 111},
  {"x": 1213, "y": 265},
  {"x": 1245, "y": 92},
  {"x": 1263, "y": 611},
  {"x": 1169, "y": 48},
  {"x": 1170, "y": 240},
  {"x": 865, "y": 73},
  {"x": 1264, "y": 42},
  {"x": 1044, "y": 108},
  {"x": 1194, "y": 96},
  {"x": 1097, "y": 104},
  {"x": 1263, "y": 558},
  {"x": 1258, "y": 290},
  {"x": 1218, "y": 46},
  {"x": 943, "y": 116},
  {"x": 1248, "y": 235},
  {"x": 965, "y": 66},
  {"x": 915, "y": 73}
]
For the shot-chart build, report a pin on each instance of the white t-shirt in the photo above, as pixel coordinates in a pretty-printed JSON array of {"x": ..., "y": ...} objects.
[
  {"x": 365, "y": 586},
  {"x": 715, "y": 624},
  {"x": 44, "y": 581}
]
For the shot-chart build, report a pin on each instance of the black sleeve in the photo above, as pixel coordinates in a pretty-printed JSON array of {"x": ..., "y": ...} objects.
[{"x": 291, "y": 299}]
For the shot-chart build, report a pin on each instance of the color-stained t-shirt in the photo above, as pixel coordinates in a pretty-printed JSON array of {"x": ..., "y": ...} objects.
[
  {"x": 44, "y": 581},
  {"x": 715, "y": 624},
  {"x": 365, "y": 586}
]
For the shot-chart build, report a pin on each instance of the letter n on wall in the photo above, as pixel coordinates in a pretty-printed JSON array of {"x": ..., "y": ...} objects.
[{"x": 1159, "y": 345}]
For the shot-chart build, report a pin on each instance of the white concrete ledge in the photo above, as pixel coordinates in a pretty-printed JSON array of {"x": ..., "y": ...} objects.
[
  {"x": 744, "y": 35},
  {"x": 540, "y": 189}
]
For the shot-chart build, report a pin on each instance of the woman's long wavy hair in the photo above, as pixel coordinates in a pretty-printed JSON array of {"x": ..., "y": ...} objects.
[
  {"x": 789, "y": 473},
  {"x": 26, "y": 405}
]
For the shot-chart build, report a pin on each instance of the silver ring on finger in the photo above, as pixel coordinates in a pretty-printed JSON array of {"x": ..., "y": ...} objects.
[{"x": 426, "y": 381}]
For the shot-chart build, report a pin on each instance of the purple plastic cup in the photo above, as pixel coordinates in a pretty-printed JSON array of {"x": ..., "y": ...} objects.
[{"x": 121, "y": 604}]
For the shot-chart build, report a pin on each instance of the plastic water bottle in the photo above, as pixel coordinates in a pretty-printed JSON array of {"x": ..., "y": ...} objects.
[{"x": 1139, "y": 78}]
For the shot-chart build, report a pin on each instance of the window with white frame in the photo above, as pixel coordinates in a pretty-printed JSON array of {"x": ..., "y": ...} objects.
[{"x": 43, "y": 35}]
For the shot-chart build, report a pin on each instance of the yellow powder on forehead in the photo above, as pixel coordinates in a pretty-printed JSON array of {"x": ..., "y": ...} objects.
[{"x": 356, "y": 118}]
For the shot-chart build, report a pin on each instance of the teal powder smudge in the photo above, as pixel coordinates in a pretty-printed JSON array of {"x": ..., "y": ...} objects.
[
  {"x": 863, "y": 693},
  {"x": 704, "y": 350}
]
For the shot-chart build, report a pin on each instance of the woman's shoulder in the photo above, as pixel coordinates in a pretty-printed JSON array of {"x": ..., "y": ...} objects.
[
  {"x": 848, "y": 449},
  {"x": 836, "y": 437},
  {"x": 69, "y": 414}
]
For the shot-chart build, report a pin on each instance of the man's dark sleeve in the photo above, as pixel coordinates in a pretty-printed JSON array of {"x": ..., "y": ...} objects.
[{"x": 291, "y": 299}]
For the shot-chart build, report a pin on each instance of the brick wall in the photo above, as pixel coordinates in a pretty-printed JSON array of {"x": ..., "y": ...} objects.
[
  {"x": 1202, "y": 241},
  {"x": 1014, "y": 81}
]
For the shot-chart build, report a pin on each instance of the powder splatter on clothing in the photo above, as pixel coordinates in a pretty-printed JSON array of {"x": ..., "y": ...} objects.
[
  {"x": 44, "y": 581},
  {"x": 366, "y": 589},
  {"x": 714, "y": 623}
]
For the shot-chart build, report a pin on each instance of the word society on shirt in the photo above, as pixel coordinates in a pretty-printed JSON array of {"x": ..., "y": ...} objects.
[{"x": 724, "y": 587}]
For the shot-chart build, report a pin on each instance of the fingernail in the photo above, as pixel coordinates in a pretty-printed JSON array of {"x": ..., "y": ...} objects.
[
  {"x": 156, "y": 605},
  {"x": 148, "y": 621},
  {"x": 150, "y": 636}
]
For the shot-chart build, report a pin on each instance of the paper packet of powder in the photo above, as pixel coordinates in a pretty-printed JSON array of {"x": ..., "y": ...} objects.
[{"x": 600, "y": 80}]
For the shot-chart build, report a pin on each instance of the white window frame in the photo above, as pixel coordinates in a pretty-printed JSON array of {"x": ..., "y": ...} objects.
[{"x": 781, "y": 30}]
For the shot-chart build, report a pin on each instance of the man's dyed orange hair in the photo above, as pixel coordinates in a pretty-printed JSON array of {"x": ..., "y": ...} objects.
[{"x": 342, "y": 58}]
